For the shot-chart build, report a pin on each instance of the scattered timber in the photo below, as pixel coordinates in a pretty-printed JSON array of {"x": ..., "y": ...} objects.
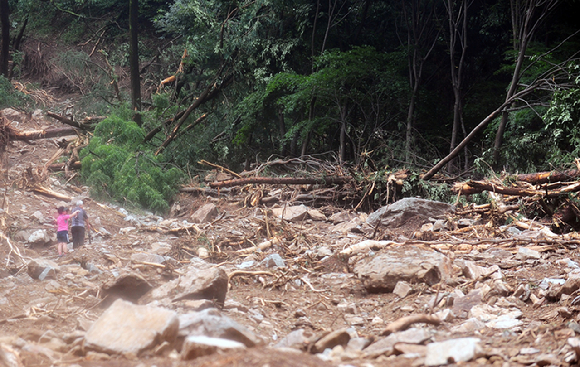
[
  {"x": 14, "y": 134},
  {"x": 281, "y": 181}
]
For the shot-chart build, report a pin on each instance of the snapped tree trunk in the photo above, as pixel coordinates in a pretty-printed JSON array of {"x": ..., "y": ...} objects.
[
  {"x": 134, "y": 60},
  {"x": 457, "y": 38}
]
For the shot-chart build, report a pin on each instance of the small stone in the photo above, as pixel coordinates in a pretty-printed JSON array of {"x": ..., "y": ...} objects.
[
  {"x": 331, "y": 340},
  {"x": 402, "y": 289},
  {"x": 198, "y": 346},
  {"x": 206, "y": 213},
  {"x": 274, "y": 261}
]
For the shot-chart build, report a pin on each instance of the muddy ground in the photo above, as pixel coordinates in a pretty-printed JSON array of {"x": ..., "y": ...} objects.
[{"x": 307, "y": 293}]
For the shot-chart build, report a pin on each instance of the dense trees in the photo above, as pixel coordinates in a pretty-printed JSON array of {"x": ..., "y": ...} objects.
[{"x": 401, "y": 83}]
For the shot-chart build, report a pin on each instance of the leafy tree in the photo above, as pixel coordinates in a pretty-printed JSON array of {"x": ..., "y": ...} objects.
[
  {"x": 356, "y": 96},
  {"x": 117, "y": 165}
]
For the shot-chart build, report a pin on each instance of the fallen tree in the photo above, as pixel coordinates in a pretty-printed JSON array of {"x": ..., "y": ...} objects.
[
  {"x": 14, "y": 134},
  {"x": 281, "y": 181}
]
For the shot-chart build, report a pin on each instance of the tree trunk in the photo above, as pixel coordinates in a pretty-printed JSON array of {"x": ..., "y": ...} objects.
[
  {"x": 342, "y": 148},
  {"x": 18, "y": 38},
  {"x": 457, "y": 38},
  {"x": 420, "y": 38},
  {"x": 134, "y": 60},
  {"x": 481, "y": 125},
  {"x": 5, "y": 48},
  {"x": 524, "y": 25},
  {"x": 40, "y": 134}
]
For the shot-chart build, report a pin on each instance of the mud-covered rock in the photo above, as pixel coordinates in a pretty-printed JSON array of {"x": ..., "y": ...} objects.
[
  {"x": 398, "y": 213},
  {"x": 409, "y": 263},
  {"x": 127, "y": 328}
]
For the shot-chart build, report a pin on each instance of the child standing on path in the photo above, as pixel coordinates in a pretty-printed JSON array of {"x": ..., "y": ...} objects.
[{"x": 62, "y": 230}]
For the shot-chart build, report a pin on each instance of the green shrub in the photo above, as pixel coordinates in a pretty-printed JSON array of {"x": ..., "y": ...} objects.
[
  {"x": 117, "y": 165},
  {"x": 9, "y": 96}
]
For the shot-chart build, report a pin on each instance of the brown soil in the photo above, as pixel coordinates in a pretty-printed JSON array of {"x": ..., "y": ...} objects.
[{"x": 286, "y": 302}]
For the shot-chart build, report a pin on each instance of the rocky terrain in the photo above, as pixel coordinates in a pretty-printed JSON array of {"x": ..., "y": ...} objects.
[{"x": 219, "y": 282}]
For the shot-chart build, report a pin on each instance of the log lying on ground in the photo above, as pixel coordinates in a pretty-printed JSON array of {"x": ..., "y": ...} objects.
[
  {"x": 472, "y": 187},
  {"x": 281, "y": 181},
  {"x": 14, "y": 134},
  {"x": 546, "y": 177}
]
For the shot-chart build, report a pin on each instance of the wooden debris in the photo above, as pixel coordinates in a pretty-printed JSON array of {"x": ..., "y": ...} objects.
[
  {"x": 14, "y": 134},
  {"x": 223, "y": 169},
  {"x": 404, "y": 323},
  {"x": 367, "y": 245},
  {"x": 260, "y": 247},
  {"x": 50, "y": 193},
  {"x": 281, "y": 181},
  {"x": 248, "y": 272},
  {"x": 13, "y": 249}
]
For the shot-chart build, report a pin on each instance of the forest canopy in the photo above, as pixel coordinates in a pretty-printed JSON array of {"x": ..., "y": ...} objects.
[{"x": 374, "y": 85}]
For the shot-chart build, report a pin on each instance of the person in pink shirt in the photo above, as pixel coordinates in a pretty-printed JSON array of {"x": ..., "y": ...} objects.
[{"x": 62, "y": 230}]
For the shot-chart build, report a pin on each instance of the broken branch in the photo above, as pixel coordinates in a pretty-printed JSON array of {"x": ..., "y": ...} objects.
[{"x": 404, "y": 322}]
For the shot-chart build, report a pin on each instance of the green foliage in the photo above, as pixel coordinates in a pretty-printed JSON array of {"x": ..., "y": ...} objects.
[
  {"x": 11, "y": 97},
  {"x": 117, "y": 165},
  {"x": 359, "y": 87},
  {"x": 415, "y": 186}
]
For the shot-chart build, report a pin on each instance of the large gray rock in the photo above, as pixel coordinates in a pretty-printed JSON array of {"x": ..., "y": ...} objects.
[
  {"x": 42, "y": 269},
  {"x": 211, "y": 323},
  {"x": 398, "y": 213},
  {"x": 405, "y": 263},
  {"x": 39, "y": 237},
  {"x": 125, "y": 328},
  {"x": 149, "y": 258},
  {"x": 128, "y": 285},
  {"x": 297, "y": 339},
  {"x": 198, "y": 283}
]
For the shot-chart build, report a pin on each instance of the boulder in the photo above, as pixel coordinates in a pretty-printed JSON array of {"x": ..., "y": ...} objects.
[
  {"x": 211, "y": 323},
  {"x": 125, "y": 328},
  {"x": 197, "y": 283},
  {"x": 39, "y": 237},
  {"x": 406, "y": 263},
  {"x": 42, "y": 269},
  {"x": 292, "y": 213},
  {"x": 128, "y": 285},
  {"x": 400, "y": 212}
]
